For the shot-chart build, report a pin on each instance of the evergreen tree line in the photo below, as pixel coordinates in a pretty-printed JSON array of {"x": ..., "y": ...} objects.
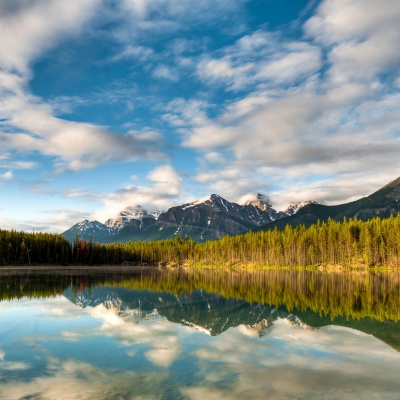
[
  {"x": 20, "y": 248},
  {"x": 349, "y": 243},
  {"x": 352, "y": 295}
]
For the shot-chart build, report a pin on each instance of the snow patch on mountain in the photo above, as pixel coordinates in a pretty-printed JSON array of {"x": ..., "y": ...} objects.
[
  {"x": 293, "y": 208},
  {"x": 131, "y": 213},
  {"x": 91, "y": 226},
  {"x": 263, "y": 203},
  {"x": 197, "y": 202},
  {"x": 155, "y": 213},
  {"x": 88, "y": 229},
  {"x": 211, "y": 216},
  {"x": 258, "y": 200}
]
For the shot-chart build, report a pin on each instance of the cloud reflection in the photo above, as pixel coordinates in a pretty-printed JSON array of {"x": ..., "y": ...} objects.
[
  {"x": 79, "y": 380},
  {"x": 102, "y": 353},
  {"x": 292, "y": 361},
  {"x": 162, "y": 337}
]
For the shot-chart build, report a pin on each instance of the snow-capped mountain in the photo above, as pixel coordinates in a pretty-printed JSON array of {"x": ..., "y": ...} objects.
[
  {"x": 208, "y": 218},
  {"x": 155, "y": 213},
  {"x": 125, "y": 217},
  {"x": 262, "y": 202},
  {"x": 89, "y": 229},
  {"x": 258, "y": 200},
  {"x": 136, "y": 218},
  {"x": 214, "y": 217},
  {"x": 211, "y": 217},
  {"x": 294, "y": 207},
  {"x": 218, "y": 203}
]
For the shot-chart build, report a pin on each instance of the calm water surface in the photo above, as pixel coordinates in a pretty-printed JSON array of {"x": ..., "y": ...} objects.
[{"x": 202, "y": 334}]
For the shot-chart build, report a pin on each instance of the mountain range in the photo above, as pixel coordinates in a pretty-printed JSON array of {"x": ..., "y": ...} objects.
[
  {"x": 209, "y": 218},
  {"x": 382, "y": 203},
  {"x": 212, "y": 314},
  {"x": 214, "y": 217}
]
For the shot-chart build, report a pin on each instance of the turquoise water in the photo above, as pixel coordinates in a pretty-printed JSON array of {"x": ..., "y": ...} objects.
[{"x": 96, "y": 337}]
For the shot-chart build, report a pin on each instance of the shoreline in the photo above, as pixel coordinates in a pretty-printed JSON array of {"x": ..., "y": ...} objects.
[
  {"x": 56, "y": 268},
  {"x": 138, "y": 268}
]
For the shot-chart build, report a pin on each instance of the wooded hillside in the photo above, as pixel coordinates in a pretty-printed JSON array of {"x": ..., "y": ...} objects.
[{"x": 348, "y": 243}]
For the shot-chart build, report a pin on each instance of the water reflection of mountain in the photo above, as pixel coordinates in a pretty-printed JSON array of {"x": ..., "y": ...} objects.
[
  {"x": 218, "y": 299},
  {"x": 353, "y": 295},
  {"x": 387, "y": 331},
  {"x": 211, "y": 312},
  {"x": 214, "y": 314}
]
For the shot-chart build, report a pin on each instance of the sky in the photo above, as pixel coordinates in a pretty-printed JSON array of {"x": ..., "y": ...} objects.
[{"x": 106, "y": 104}]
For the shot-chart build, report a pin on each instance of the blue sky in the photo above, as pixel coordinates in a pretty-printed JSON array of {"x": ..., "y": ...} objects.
[{"x": 106, "y": 104}]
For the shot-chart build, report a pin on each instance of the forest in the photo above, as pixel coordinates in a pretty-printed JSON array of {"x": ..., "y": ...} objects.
[
  {"x": 352, "y": 294},
  {"x": 350, "y": 243}
]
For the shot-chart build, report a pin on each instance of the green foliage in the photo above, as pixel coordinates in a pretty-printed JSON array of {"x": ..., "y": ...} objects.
[
  {"x": 20, "y": 248},
  {"x": 349, "y": 243},
  {"x": 352, "y": 294}
]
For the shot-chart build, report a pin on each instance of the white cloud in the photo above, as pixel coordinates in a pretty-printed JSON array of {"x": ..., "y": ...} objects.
[
  {"x": 300, "y": 60},
  {"x": 165, "y": 175},
  {"x": 316, "y": 128},
  {"x": 45, "y": 22},
  {"x": 54, "y": 221},
  {"x": 231, "y": 182},
  {"x": 163, "y": 191},
  {"x": 4, "y": 156},
  {"x": 6, "y": 176},
  {"x": 24, "y": 164},
  {"x": 140, "y": 19},
  {"x": 166, "y": 72},
  {"x": 362, "y": 36},
  {"x": 333, "y": 190},
  {"x": 253, "y": 197},
  {"x": 297, "y": 146},
  {"x": 215, "y": 158},
  {"x": 75, "y": 145},
  {"x": 29, "y": 124},
  {"x": 180, "y": 112},
  {"x": 322, "y": 108},
  {"x": 260, "y": 57},
  {"x": 175, "y": 11},
  {"x": 341, "y": 20},
  {"x": 140, "y": 53}
]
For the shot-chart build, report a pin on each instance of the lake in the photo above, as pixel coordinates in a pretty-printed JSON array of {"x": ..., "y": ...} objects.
[{"x": 199, "y": 334}]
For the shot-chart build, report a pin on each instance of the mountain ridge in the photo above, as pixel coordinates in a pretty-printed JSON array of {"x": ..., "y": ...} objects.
[
  {"x": 214, "y": 217},
  {"x": 381, "y": 203},
  {"x": 209, "y": 218}
]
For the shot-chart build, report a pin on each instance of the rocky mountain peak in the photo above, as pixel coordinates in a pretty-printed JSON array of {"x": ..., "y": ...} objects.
[
  {"x": 293, "y": 208},
  {"x": 87, "y": 229},
  {"x": 212, "y": 200},
  {"x": 258, "y": 200},
  {"x": 83, "y": 222},
  {"x": 130, "y": 213},
  {"x": 213, "y": 217},
  {"x": 215, "y": 197},
  {"x": 86, "y": 225},
  {"x": 155, "y": 214}
]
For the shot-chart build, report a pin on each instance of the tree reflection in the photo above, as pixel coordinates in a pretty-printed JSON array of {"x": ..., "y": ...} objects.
[{"x": 350, "y": 294}]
